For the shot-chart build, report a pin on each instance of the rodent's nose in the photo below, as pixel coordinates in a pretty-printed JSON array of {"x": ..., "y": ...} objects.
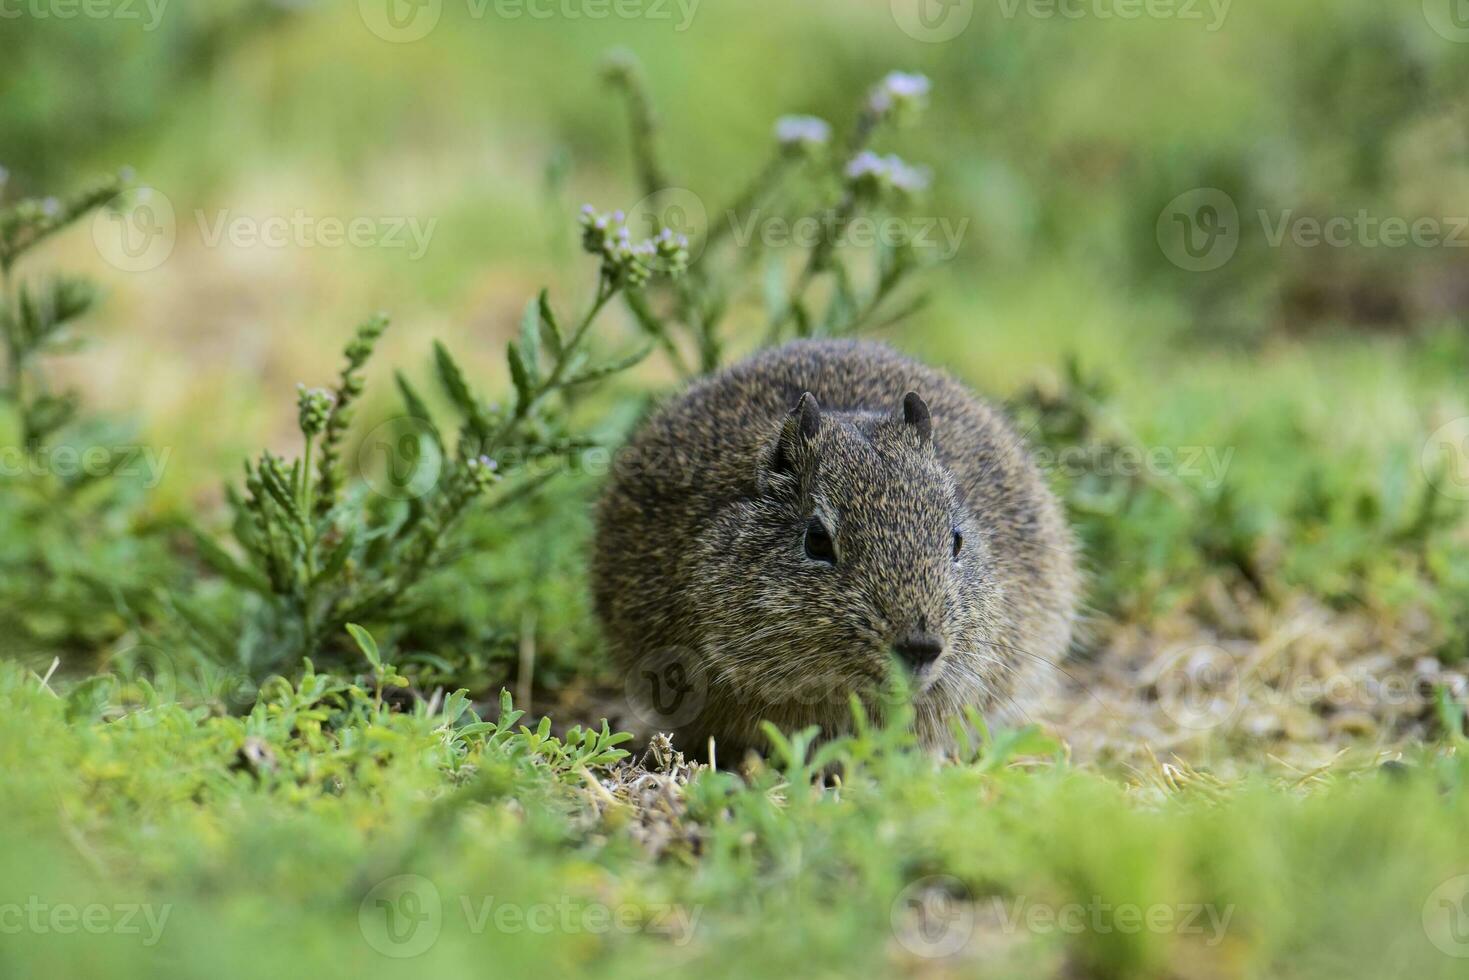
[{"x": 918, "y": 650}]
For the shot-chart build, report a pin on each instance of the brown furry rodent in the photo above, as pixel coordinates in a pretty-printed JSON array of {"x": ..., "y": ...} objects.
[{"x": 782, "y": 533}]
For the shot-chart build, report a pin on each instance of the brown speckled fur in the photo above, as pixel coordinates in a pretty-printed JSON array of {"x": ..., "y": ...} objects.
[{"x": 699, "y": 554}]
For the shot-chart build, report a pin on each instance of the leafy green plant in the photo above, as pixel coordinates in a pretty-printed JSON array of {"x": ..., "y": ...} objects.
[
  {"x": 1153, "y": 538},
  {"x": 35, "y": 317},
  {"x": 77, "y": 566},
  {"x": 809, "y": 287},
  {"x": 321, "y": 551}
]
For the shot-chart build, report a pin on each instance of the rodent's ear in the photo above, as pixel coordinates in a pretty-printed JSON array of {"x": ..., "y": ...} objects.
[
  {"x": 807, "y": 414},
  {"x": 793, "y": 446},
  {"x": 915, "y": 413}
]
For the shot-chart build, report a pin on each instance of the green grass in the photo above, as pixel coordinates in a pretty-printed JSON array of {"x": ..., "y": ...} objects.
[{"x": 267, "y": 839}]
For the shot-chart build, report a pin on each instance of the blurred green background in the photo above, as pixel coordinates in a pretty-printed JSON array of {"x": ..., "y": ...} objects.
[{"x": 1060, "y": 139}]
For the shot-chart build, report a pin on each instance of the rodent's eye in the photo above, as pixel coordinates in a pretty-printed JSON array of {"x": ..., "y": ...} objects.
[
  {"x": 818, "y": 544},
  {"x": 958, "y": 542}
]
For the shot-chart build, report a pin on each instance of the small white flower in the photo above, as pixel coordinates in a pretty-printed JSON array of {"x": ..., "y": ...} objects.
[
  {"x": 802, "y": 132},
  {"x": 866, "y": 164},
  {"x": 900, "y": 90},
  {"x": 891, "y": 171},
  {"x": 907, "y": 178}
]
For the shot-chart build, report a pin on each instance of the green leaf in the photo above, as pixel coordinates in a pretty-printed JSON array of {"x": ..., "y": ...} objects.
[
  {"x": 611, "y": 367},
  {"x": 413, "y": 403},
  {"x": 519, "y": 376},
  {"x": 367, "y": 645},
  {"x": 530, "y": 342},
  {"x": 225, "y": 564},
  {"x": 32, "y": 326},
  {"x": 802, "y": 318},
  {"x": 554, "y": 343},
  {"x": 336, "y": 559},
  {"x": 452, "y": 378},
  {"x": 417, "y": 408},
  {"x": 49, "y": 413},
  {"x": 456, "y": 705},
  {"x": 277, "y": 489},
  {"x": 71, "y": 298},
  {"x": 508, "y": 715}
]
